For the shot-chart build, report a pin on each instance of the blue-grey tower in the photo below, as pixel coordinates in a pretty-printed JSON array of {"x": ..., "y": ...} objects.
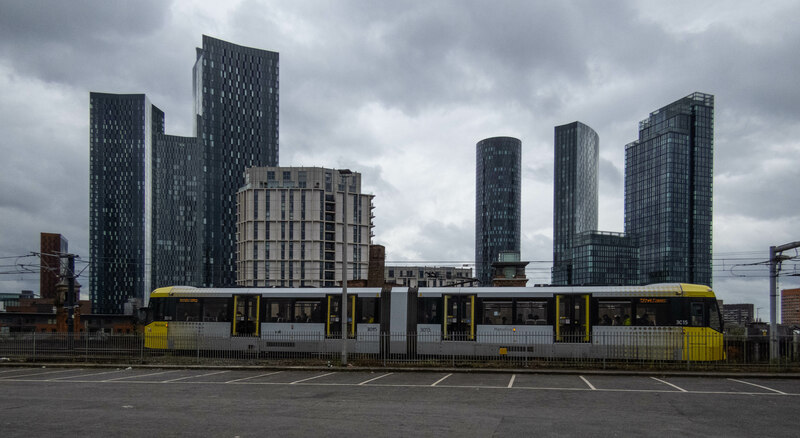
[
  {"x": 236, "y": 109},
  {"x": 121, "y": 132},
  {"x": 668, "y": 191},
  {"x": 145, "y": 200},
  {"x": 498, "y": 199},
  {"x": 575, "y": 200}
]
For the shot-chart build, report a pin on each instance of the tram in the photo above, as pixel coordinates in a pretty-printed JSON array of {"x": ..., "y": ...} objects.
[{"x": 656, "y": 322}]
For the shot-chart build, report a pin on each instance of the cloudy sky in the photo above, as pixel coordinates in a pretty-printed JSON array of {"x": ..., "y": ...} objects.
[{"x": 401, "y": 91}]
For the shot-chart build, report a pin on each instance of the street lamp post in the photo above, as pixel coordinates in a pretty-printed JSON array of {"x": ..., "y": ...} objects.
[{"x": 344, "y": 175}]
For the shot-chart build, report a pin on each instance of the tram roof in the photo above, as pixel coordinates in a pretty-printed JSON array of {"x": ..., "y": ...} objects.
[{"x": 662, "y": 289}]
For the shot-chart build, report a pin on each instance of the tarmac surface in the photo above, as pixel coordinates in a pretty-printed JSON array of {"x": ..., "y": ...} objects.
[{"x": 231, "y": 402}]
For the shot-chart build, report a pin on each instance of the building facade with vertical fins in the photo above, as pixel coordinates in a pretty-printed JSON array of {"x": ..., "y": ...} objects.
[
  {"x": 290, "y": 227},
  {"x": 162, "y": 206},
  {"x": 575, "y": 201},
  {"x": 236, "y": 113},
  {"x": 668, "y": 191},
  {"x": 121, "y": 132},
  {"x": 498, "y": 202}
]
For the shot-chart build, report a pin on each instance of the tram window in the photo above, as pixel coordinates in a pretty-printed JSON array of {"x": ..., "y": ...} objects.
[
  {"x": 713, "y": 316},
  {"x": 370, "y": 310},
  {"x": 163, "y": 309},
  {"x": 614, "y": 312},
  {"x": 187, "y": 309},
  {"x": 654, "y": 311},
  {"x": 279, "y": 310},
  {"x": 531, "y": 312},
  {"x": 429, "y": 311},
  {"x": 696, "y": 315},
  {"x": 307, "y": 311},
  {"x": 497, "y": 312},
  {"x": 216, "y": 309}
]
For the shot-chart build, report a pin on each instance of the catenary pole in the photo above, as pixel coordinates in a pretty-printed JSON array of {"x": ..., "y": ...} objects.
[
  {"x": 774, "y": 261},
  {"x": 344, "y": 174}
]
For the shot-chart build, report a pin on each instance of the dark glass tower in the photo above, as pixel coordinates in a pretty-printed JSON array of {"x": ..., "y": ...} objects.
[
  {"x": 668, "y": 191},
  {"x": 121, "y": 132},
  {"x": 575, "y": 196},
  {"x": 145, "y": 228},
  {"x": 177, "y": 205},
  {"x": 497, "y": 205},
  {"x": 236, "y": 107}
]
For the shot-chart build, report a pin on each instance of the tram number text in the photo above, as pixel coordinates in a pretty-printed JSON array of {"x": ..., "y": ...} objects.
[{"x": 681, "y": 322}]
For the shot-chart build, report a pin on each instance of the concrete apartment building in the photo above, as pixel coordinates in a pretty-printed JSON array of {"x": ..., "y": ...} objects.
[{"x": 289, "y": 227}]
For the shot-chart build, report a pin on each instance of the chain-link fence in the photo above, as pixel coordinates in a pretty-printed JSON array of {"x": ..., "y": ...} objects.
[{"x": 644, "y": 350}]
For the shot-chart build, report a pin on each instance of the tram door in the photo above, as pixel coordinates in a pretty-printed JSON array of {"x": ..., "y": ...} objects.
[
  {"x": 459, "y": 321},
  {"x": 333, "y": 321},
  {"x": 246, "y": 318},
  {"x": 572, "y": 318}
]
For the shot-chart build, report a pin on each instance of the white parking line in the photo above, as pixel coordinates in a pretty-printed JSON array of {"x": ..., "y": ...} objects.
[
  {"x": 374, "y": 379},
  {"x": 192, "y": 377},
  {"x": 253, "y": 377},
  {"x": 511, "y": 382},
  {"x": 137, "y": 375},
  {"x": 311, "y": 378},
  {"x": 441, "y": 380},
  {"x": 11, "y": 370},
  {"x": 37, "y": 374},
  {"x": 587, "y": 382},
  {"x": 670, "y": 384},
  {"x": 82, "y": 375},
  {"x": 759, "y": 386}
]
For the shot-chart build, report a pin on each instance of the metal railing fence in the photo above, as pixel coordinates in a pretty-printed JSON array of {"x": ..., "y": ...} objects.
[{"x": 606, "y": 350}]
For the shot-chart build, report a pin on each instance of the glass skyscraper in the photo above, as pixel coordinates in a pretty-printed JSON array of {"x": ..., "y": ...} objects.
[
  {"x": 575, "y": 201},
  {"x": 236, "y": 108},
  {"x": 668, "y": 191},
  {"x": 163, "y": 207},
  {"x": 121, "y": 132},
  {"x": 498, "y": 199},
  {"x": 603, "y": 258}
]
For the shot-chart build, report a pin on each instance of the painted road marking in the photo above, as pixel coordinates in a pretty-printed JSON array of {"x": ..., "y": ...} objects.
[
  {"x": 252, "y": 377},
  {"x": 192, "y": 377},
  {"x": 589, "y": 386},
  {"x": 82, "y": 375},
  {"x": 137, "y": 375},
  {"x": 441, "y": 380},
  {"x": 311, "y": 378},
  {"x": 670, "y": 384},
  {"x": 374, "y": 379},
  {"x": 39, "y": 374},
  {"x": 511, "y": 382},
  {"x": 758, "y": 386}
]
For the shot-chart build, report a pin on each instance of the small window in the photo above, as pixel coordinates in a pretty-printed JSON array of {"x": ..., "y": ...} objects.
[
  {"x": 307, "y": 311},
  {"x": 186, "y": 309},
  {"x": 614, "y": 312},
  {"x": 216, "y": 310},
  {"x": 279, "y": 310},
  {"x": 497, "y": 312},
  {"x": 429, "y": 311},
  {"x": 531, "y": 312},
  {"x": 370, "y": 311},
  {"x": 696, "y": 315}
]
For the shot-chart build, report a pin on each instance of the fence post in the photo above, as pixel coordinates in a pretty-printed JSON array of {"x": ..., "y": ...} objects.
[
  {"x": 86, "y": 354},
  {"x": 34, "y": 346}
]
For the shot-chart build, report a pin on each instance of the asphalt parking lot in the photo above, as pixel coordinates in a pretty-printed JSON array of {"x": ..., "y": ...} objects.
[
  {"x": 231, "y": 402},
  {"x": 467, "y": 380}
]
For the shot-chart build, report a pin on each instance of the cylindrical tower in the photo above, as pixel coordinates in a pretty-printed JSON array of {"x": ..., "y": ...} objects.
[{"x": 498, "y": 190}]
